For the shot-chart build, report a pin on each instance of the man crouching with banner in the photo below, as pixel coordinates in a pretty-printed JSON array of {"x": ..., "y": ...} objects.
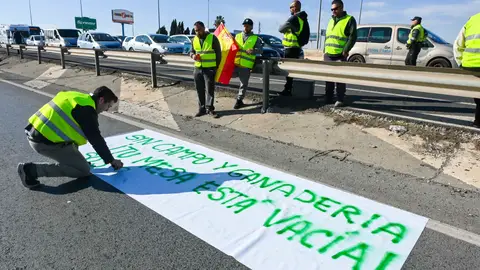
[{"x": 207, "y": 53}]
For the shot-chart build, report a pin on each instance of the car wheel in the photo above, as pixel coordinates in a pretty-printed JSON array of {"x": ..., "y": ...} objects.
[
  {"x": 131, "y": 49},
  {"x": 155, "y": 51},
  {"x": 356, "y": 59},
  {"x": 440, "y": 63}
]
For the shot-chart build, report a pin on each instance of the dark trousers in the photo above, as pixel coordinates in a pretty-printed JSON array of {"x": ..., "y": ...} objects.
[
  {"x": 477, "y": 112},
  {"x": 330, "y": 86},
  {"x": 291, "y": 53},
  {"x": 412, "y": 55},
  {"x": 205, "y": 78}
]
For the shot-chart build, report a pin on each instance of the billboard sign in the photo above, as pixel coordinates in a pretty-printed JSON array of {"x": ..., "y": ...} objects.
[{"x": 122, "y": 16}]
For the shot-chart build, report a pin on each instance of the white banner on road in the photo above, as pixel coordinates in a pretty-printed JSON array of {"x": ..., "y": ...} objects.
[{"x": 264, "y": 218}]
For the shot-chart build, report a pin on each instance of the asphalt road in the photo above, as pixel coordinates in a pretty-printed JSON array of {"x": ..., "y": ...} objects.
[
  {"x": 433, "y": 107},
  {"x": 90, "y": 225}
]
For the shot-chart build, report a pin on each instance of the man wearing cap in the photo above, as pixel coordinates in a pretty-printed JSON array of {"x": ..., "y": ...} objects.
[
  {"x": 249, "y": 46},
  {"x": 415, "y": 41}
]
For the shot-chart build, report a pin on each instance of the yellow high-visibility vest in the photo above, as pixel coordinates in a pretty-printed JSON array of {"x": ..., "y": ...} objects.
[
  {"x": 471, "y": 55},
  {"x": 243, "y": 59},
  {"x": 208, "y": 58},
  {"x": 336, "y": 39},
  {"x": 290, "y": 39},
  {"x": 55, "y": 121},
  {"x": 421, "y": 34}
]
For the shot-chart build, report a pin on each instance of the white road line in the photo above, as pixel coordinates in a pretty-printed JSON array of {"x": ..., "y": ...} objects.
[
  {"x": 435, "y": 225},
  {"x": 48, "y": 77},
  {"x": 412, "y": 118}
]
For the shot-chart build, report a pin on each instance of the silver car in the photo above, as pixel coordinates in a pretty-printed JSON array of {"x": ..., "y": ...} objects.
[
  {"x": 386, "y": 44},
  {"x": 36, "y": 40}
]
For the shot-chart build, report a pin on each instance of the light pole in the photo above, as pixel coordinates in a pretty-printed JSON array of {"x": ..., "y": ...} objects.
[
  {"x": 318, "y": 28},
  {"x": 360, "y": 16},
  {"x": 158, "y": 14},
  {"x": 81, "y": 9},
  {"x": 30, "y": 7},
  {"x": 208, "y": 12}
]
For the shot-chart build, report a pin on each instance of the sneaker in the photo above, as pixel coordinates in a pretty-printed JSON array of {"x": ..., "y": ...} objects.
[
  {"x": 339, "y": 104},
  {"x": 213, "y": 114},
  {"x": 239, "y": 104},
  {"x": 200, "y": 113},
  {"x": 28, "y": 180}
]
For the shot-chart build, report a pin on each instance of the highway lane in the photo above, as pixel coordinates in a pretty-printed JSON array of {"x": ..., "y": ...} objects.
[
  {"x": 92, "y": 225},
  {"x": 434, "y": 107}
]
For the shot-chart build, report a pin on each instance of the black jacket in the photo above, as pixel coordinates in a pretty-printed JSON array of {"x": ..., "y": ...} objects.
[
  {"x": 87, "y": 118},
  {"x": 293, "y": 23}
]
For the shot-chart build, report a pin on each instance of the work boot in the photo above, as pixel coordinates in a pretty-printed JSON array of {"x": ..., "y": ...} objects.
[
  {"x": 28, "y": 175},
  {"x": 212, "y": 113},
  {"x": 239, "y": 104},
  {"x": 201, "y": 112}
]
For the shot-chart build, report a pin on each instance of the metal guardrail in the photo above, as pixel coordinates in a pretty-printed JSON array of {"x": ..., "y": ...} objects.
[{"x": 453, "y": 82}]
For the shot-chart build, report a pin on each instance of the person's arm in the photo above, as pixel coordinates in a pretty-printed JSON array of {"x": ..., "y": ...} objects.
[
  {"x": 87, "y": 118},
  {"x": 414, "y": 37},
  {"x": 351, "y": 33},
  {"x": 291, "y": 24},
  {"x": 459, "y": 46},
  {"x": 258, "y": 48},
  {"x": 218, "y": 50}
]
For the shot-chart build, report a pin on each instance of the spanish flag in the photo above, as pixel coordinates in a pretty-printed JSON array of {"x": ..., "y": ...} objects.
[{"x": 229, "y": 51}]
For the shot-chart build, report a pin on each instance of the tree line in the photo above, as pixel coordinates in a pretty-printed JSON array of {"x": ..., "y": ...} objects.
[{"x": 178, "y": 28}]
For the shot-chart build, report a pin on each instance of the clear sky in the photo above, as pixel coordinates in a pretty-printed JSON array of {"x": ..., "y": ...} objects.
[{"x": 444, "y": 17}]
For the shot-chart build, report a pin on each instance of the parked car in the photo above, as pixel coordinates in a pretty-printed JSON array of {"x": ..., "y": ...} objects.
[
  {"x": 98, "y": 40},
  {"x": 154, "y": 43},
  {"x": 61, "y": 37},
  {"x": 36, "y": 40},
  {"x": 275, "y": 43},
  {"x": 126, "y": 42},
  {"x": 386, "y": 44},
  {"x": 185, "y": 40}
]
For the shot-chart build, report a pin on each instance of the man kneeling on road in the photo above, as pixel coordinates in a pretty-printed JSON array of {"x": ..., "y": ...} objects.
[
  {"x": 55, "y": 131},
  {"x": 250, "y": 46}
]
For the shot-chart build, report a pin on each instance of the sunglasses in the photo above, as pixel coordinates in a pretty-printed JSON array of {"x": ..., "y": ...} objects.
[{"x": 334, "y": 9}]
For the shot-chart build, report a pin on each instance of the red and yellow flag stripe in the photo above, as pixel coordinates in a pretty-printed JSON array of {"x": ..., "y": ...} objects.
[{"x": 229, "y": 51}]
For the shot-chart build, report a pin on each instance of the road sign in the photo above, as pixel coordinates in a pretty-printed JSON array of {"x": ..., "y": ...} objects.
[
  {"x": 122, "y": 16},
  {"x": 85, "y": 23}
]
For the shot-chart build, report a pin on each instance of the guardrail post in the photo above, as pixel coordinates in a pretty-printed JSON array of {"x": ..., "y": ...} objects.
[
  {"x": 97, "y": 62},
  {"x": 266, "y": 85},
  {"x": 154, "y": 57},
  {"x": 62, "y": 57},
  {"x": 39, "y": 54},
  {"x": 8, "y": 49},
  {"x": 20, "y": 50}
]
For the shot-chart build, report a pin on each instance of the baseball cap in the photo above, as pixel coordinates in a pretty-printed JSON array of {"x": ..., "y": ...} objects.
[
  {"x": 416, "y": 18},
  {"x": 247, "y": 21}
]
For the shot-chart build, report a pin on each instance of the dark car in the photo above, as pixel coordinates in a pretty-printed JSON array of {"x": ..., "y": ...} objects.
[{"x": 275, "y": 43}]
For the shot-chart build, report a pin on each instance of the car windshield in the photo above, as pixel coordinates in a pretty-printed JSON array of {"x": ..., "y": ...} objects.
[
  {"x": 68, "y": 33},
  {"x": 271, "y": 40},
  {"x": 436, "y": 38},
  {"x": 103, "y": 37},
  {"x": 160, "y": 39}
]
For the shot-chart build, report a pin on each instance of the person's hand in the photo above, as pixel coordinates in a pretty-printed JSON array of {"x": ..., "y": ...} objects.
[
  {"x": 250, "y": 51},
  {"x": 116, "y": 164},
  {"x": 196, "y": 57}
]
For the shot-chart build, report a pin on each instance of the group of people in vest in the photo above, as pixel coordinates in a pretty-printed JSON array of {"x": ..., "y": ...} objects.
[{"x": 70, "y": 119}]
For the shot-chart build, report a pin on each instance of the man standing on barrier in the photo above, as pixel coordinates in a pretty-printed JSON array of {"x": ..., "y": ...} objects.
[
  {"x": 296, "y": 33},
  {"x": 467, "y": 53},
  {"x": 341, "y": 36},
  {"x": 56, "y": 130},
  {"x": 207, "y": 53},
  {"x": 415, "y": 41},
  {"x": 250, "y": 46}
]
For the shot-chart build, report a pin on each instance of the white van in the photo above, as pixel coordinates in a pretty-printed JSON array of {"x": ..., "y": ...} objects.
[
  {"x": 61, "y": 37},
  {"x": 7, "y": 30},
  {"x": 386, "y": 44}
]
